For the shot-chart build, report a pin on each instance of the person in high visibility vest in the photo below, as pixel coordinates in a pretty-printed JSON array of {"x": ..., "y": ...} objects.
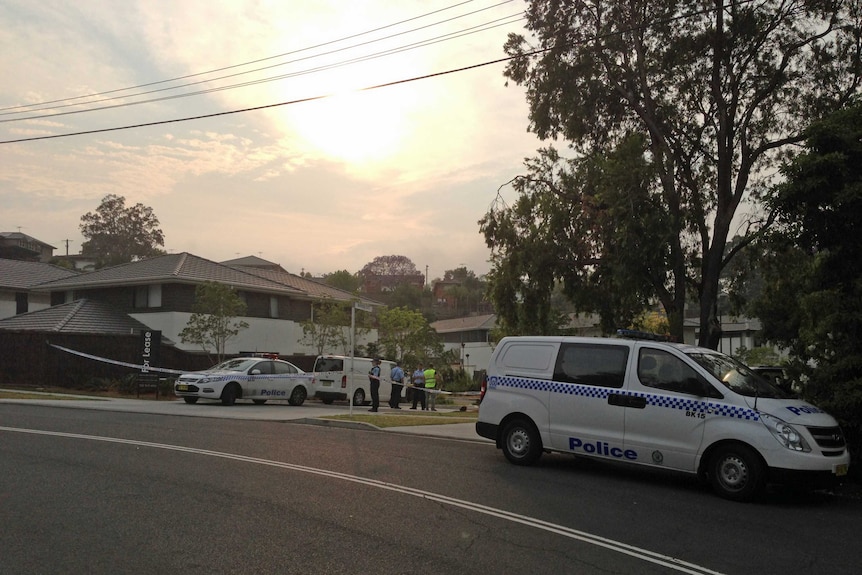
[{"x": 431, "y": 383}]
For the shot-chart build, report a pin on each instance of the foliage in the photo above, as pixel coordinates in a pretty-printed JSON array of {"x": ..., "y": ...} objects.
[
  {"x": 213, "y": 321},
  {"x": 343, "y": 280},
  {"x": 116, "y": 234},
  {"x": 326, "y": 331},
  {"x": 712, "y": 93},
  {"x": 405, "y": 335},
  {"x": 757, "y": 356},
  {"x": 812, "y": 297},
  {"x": 389, "y": 266}
]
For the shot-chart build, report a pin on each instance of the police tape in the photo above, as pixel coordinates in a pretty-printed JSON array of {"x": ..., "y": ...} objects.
[
  {"x": 425, "y": 389},
  {"x": 139, "y": 367}
]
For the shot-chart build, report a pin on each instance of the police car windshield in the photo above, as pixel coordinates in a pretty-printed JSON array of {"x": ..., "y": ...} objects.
[
  {"x": 237, "y": 364},
  {"x": 736, "y": 376}
]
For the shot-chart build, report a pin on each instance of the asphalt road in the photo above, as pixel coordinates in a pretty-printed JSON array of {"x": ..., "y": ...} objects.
[{"x": 86, "y": 491}]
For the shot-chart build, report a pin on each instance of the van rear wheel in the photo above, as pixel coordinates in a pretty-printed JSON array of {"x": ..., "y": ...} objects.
[
  {"x": 358, "y": 397},
  {"x": 736, "y": 472},
  {"x": 521, "y": 443}
]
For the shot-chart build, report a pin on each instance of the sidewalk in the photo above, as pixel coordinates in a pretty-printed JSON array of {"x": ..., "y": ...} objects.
[{"x": 311, "y": 412}]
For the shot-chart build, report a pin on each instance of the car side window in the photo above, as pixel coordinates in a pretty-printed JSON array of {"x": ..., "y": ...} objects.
[
  {"x": 601, "y": 365},
  {"x": 265, "y": 367},
  {"x": 283, "y": 368},
  {"x": 663, "y": 370}
]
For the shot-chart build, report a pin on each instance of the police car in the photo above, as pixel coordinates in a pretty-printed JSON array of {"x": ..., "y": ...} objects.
[
  {"x": 658, "y": 404},
  {"x": 258, "y": 379}
]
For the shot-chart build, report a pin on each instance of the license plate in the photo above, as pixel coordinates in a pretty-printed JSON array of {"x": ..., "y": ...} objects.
[
  {"x": 840, "y": 470},
  {"x": 182, "y": 387},
  {"x": 326, "y": 382}
]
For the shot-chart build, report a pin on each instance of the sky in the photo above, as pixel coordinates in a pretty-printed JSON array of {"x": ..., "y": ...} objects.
[{"x": 317, "y": 186}]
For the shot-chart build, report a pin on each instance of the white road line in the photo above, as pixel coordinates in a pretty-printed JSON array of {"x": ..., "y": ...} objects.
[{"x": 610, "y": 544}]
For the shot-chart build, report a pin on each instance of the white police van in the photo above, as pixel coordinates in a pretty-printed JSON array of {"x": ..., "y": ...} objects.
[
  {"x": 655, "y": 403},
  {"x": 335, "y": 376}
]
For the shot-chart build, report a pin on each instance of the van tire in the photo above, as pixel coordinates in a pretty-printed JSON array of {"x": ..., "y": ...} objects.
[
  {"x": 229, "y": 394},
  {"x": 297, "y": 396},
  {"x": 736, "y": 472},
  {"x": 359, "y": 397},
  {"x": 520, "y": 442}
]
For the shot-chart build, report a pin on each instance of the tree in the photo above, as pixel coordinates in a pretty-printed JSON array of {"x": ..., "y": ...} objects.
[
  {"x": 811, "y": 302},
  {"x": 213, "y": 321},
  {"x": 116, "y": 234},
  {"x": 326, "y": 331},
  {"x": 469, "y": 291},
  {"x": 716, "y": 92},
  {"x": 406, "y": 336},
  {"x": 389, "y": 266},
  {"x": 343, "y": 280}
]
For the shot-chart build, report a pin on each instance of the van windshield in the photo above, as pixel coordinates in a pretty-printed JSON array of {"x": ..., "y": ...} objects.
[{"x": 737, "y": 376}]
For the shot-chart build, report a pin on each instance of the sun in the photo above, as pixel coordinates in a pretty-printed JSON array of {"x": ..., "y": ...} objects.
[{"x": 357, "y": 127}]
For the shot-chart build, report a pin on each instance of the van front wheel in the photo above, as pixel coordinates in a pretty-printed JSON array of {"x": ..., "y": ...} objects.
[
  {"x": 521, "y": 442},
  {"x": 736, "y": 472}
]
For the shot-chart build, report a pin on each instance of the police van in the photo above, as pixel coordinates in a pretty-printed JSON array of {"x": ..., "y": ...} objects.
[
  {"x": 336, "y": 376},
  {"x": 658, "y": 404}
]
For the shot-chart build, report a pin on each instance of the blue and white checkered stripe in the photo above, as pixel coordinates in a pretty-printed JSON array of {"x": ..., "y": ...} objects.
[{"x": 653, "y": 399}]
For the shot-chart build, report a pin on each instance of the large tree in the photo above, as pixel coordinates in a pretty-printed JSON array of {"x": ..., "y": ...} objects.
[
  {"x": 811, "y": 301},
  {"x": 716, "y": 92},
  {"x": 406, "y": 336},
  {"x": 116, "y": 234},
  {"x": 389, "y": 266}
]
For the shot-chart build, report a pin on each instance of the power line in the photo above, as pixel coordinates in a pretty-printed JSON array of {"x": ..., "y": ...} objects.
[
  {"x": 388, "y": 84},
  {"x": 420, "y": 44},
  {"x": 256, "y": 108},
  {"x": 24, "y": 108}
]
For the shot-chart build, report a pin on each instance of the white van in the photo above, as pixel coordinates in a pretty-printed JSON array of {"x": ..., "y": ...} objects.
[
  {"x": 659, "y": 404},
  {"x": 335, "y": 378}
]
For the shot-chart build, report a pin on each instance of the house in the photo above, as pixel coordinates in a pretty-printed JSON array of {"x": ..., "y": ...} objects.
[
  {"x": 159, "y": 292},
  {"x": 470, "y": 338},
  {"x": 17, "y": 280},
  {"x": 18, "y": 246}
]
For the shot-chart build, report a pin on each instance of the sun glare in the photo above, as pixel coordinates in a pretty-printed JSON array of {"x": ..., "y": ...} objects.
[{"x": 355, "y": 127}]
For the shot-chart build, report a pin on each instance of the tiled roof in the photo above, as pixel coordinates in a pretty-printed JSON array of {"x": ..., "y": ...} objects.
[
  {"x": 25, "y": 237},
  {"x": 253, "y": 262},
  {"x": 80, "y": 316},
  {"x": 312, "y": 288},
  {"x": 182, "y": 268},
  {"x": 470, "y": 323},
  {"x": 20, "y": 275}
]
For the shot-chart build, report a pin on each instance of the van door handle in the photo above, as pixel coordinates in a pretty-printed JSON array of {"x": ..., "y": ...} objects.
[
  {"x": 617, "y": 399},
  {"x": 626, "y": 400}
]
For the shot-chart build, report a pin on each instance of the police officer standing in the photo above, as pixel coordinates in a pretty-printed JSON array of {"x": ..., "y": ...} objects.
[
  {"x": 419, "y": 387},
  {"x": 374, "y": 384},
  {"x": 430, "y": 391},
  {"x": 397, "y": 377}
]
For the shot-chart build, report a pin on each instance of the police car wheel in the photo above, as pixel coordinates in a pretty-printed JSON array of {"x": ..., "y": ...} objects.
[
  {"x": 229, "y": 394},
  {"x": 297, "y": 397},
  {"x": 521, "y": 442},
  {"x": 190, "y": 399},
  {"x": 736, "y": 473}
]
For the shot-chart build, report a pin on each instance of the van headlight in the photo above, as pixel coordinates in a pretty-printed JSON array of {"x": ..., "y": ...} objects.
[{"x": 785, "y": 433}]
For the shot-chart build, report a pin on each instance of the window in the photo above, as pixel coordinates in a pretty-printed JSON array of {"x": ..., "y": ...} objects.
[
  {"x": 147, "y": 296},
  {"x": 273, "y": 306},
  {"x": 662, "y": 370},
  {"x": 21, "y": 305},
  {"x": 284, "y": 368},
  {"x": 585, "y": 364}
]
